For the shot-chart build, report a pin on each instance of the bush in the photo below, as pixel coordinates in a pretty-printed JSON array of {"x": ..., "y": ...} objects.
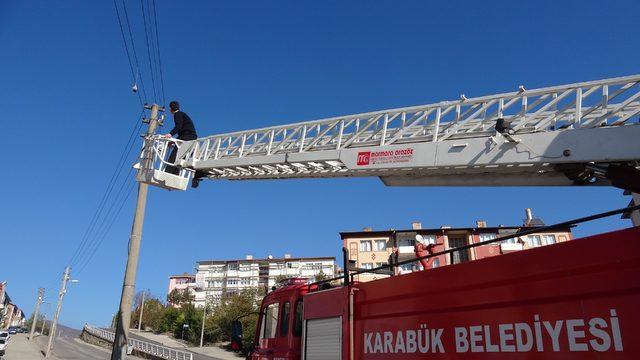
[{"x": 165, "y": 318}]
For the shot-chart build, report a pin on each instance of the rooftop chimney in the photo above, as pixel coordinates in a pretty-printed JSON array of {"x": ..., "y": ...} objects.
[
  {"x": 528, "y": 215},
  {"x": 416, "y": 225},
  {"x": 481, "y": 223},
  {"x": 249, "y": 257},
  {"x": 287, "y": 256}
]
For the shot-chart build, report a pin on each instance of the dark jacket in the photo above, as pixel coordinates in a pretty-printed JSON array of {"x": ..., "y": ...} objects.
[{"x": 183, "y": 127}]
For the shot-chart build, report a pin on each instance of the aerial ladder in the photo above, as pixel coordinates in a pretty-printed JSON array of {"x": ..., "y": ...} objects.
[{"x": 577, "y": 134}]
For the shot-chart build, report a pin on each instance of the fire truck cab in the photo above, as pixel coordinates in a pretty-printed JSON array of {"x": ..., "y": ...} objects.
[{"x": 279, "y": 330}]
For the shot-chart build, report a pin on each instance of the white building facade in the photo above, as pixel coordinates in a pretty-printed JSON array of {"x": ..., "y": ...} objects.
[{"x": 216, "y": 278}]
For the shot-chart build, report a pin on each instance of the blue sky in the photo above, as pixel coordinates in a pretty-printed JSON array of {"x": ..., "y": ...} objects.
[{"x": 68, "y": 111}]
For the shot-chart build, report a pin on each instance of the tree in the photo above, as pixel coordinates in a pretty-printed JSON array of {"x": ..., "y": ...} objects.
[
  {"x": 169, "y": 319},
  {"x": 180, "y": 297},
  {"x": 243, "y": 307},
  {"x": 321, "y": 276},
  {"x": 152, "y": 315},
  {"x": 281, "y": 279},
  {"x": 27, "y": 324}
]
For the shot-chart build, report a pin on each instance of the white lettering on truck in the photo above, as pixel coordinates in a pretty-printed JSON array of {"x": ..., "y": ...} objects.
[
  {"x": 574, "y": 335},
  {"x": 422, "y": 340}
]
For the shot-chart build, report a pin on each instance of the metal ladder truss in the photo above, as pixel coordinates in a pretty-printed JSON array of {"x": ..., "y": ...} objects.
[{"x": 554, "y": 133}]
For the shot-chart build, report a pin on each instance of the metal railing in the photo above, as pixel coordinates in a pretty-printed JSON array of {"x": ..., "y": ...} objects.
[{"x": 142, "y": 346}]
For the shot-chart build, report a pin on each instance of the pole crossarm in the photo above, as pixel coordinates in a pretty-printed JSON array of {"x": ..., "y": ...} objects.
[{"x": 435, "y": 139}]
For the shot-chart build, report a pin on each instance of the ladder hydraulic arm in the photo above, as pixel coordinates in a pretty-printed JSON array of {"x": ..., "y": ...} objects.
[{"x": 560, "y": 135}]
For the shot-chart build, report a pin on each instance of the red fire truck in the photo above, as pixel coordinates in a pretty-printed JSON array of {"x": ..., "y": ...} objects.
[{"x": 572, "y": 300}]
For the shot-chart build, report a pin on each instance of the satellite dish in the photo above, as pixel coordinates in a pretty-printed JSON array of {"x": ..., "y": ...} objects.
[
  {"x": 420, "y": 239},
  {"x": 134, "y": 88}
]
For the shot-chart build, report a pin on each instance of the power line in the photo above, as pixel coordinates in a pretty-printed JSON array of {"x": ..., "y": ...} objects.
[
  {"x": 155, "y": 21},
  {"x": 117, "y": 199},
  {"x": 115, "y": 175},
  {"x": 146, "y": 35},
  {"x": 133, "y": 47},
  {"x": 154, "y": 52},
  {"x": 113, "y": 220},
  {"x": 126, "y": 48},
  {"x": 92, "y": 240}
]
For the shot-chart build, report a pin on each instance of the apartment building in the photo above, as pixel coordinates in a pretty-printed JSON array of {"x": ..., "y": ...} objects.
[
  {"x": 215, "y": 278},
  {"x": 369, "y": 249},
  {"x": 183, "y": 283}
]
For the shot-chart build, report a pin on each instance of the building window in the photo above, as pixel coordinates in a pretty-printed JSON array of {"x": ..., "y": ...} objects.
[
  {"x": 459, "y": 256},
  {"x": 406, "y": 268},
  {"x": 486, "y": 237},
  {"x": 429, "y": 239},
  {"x": 534, "y": 240},
  {"x": 549, "y": 239},
  {"x": 365, "y": 245},
  {"x": 435, "y": 263},
  {"x": 314, "y": 266},
  {"x": 233, "y": 267},
  {"x": 292, "y": 265},
  {"x": 245, "y": 282},
  {"x": 381, "y": 264},
  {"x": 367, "y": 265},
  {"x": 407, "y": 242},
  {"x": 232, "y": 282},
  {"x": 381, "y": 245},
  {"x": 270, "y": 322}
]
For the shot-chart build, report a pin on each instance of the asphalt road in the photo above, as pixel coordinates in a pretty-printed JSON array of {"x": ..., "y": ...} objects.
[{"x": 67, "y": 346}]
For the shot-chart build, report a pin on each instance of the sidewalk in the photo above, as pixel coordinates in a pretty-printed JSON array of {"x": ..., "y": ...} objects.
[
  {"x": 215, "y": 351},
  {"x": 19, "y": 348},
  {"x": 212, "y": 351}
]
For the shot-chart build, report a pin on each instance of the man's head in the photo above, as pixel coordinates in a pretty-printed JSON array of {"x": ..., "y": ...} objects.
[{"x": 174, "y": 106}]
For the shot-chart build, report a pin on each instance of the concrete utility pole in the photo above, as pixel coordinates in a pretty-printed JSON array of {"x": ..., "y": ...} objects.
[
  {"x": 35, "y": 312},
  {"x": 204, "y": 316},
  {"x": 44, "y": 322},
  {"x": 121, "y": 341},
  {"x": 141, "y": 312},
  {"x": 54, "y": 324}
]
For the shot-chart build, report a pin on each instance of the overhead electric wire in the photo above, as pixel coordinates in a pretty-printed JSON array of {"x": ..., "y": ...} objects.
[
  {"x": 97, "y": 230},
  {"x": 106, "y": 232},
  {"x": 146, "y": 35},
  {"x": 155, "y": 21},
  {"x": 133, "y": 47},
  {"x": 154, "y": 53},
  {"x": 126, "y": 48},
  {"x": 115, "y": 175}
]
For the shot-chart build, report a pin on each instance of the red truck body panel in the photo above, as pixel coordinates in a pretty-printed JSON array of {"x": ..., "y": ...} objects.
[{"x": 572, "y": 300}]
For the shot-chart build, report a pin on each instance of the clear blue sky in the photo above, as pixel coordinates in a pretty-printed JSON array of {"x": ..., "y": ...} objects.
[{"x": 67, "y": 110}]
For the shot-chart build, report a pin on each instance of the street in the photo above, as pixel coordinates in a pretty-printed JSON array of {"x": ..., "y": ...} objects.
[{"x": 66, "y": 347}]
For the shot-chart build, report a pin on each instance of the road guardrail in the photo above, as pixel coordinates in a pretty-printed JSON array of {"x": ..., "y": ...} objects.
[{"x": 160, "y": 351}]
